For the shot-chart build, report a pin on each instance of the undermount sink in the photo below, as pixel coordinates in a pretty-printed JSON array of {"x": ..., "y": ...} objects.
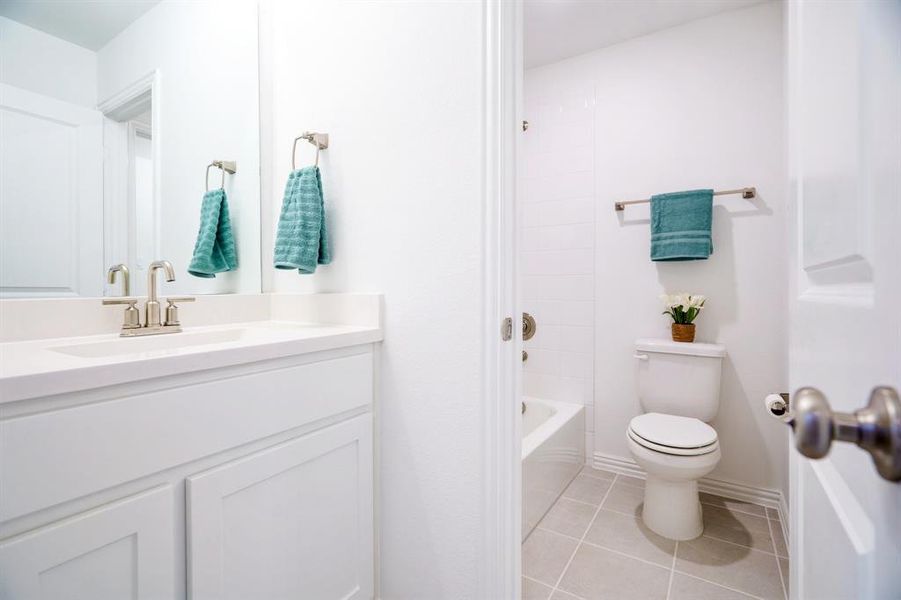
[{"x": 140, "y": 345}]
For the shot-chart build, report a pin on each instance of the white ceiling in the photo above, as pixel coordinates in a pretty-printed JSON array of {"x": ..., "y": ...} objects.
[
  {"x": 558, "y": 29},
  {"x": 87, "y": 23}
]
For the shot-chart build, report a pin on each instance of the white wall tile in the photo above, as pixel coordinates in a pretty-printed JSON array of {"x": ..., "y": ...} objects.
[
  {"x": 577, "y": 364},
  {"x": 530, "y": 238},
  {"x": 574, "y": 389},
  {"x": 577, "y": 339},
  {"x": 545, "y": 312},
  {"x": 577, "y": 312},
  {"x": 557, "y": 257},
  {"x": 546, "y": 362},
  {"x": 556, "y": 287},
  {"x": 564, "y": 237},
  {"x": 564, "y": 212},
  {"x": 532, "y": 215},
  {"x": 557, "y": 262}
]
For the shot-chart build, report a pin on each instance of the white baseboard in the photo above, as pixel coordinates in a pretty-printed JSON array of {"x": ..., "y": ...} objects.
[{"x": 728, "y": 489}]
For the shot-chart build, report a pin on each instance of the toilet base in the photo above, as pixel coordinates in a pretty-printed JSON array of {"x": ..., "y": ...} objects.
[{"x": 672, "y": 508}]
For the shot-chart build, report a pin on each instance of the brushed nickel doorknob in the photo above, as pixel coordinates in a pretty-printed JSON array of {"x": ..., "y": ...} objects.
[
  {"x": 876, "y": 428},
  {"x": 529, "y": 327}
]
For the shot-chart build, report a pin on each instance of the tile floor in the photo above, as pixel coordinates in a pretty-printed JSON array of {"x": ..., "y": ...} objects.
[{"x": 592, "y": 545}]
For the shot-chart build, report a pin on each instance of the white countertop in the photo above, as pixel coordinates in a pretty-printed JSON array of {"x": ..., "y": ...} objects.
[{"x": 44, "y": 367}]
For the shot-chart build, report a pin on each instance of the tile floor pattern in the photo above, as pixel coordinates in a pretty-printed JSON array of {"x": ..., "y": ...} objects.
[{"x": 592, "y": 545}]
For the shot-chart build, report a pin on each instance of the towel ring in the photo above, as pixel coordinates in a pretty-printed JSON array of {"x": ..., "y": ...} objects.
[
  {"x": 320, "y": 140},
  {"x": 229, "y": 166}
]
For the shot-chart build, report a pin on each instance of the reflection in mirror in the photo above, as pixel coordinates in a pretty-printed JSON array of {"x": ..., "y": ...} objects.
[
  {"x": 110, "y": 113},
  {"x": 130, "y": 212}
]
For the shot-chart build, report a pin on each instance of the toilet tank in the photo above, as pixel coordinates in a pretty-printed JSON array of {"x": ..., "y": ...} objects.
[{"x": 678, "y": 378}]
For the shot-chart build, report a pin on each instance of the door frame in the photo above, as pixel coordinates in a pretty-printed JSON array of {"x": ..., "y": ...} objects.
[
  {"x": 115, "y": 248},
  {"x": 502, "y": 372}
]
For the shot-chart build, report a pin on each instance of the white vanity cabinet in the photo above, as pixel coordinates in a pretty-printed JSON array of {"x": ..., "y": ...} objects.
[
  {"x": 122, "y": 549},
  {"x": 291, "y": 521},
  {"x": 253, "y": 480}
]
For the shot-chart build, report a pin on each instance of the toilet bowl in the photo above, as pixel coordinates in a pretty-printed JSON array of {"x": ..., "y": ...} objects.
[
  {"x": 678, "y": 387},
  {"x": 674, "y": 452}
]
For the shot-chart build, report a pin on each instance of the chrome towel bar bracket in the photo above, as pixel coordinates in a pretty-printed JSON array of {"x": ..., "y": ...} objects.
[
  {"x": 226, "y": 166},
  {"x": 320, "y": 140}
]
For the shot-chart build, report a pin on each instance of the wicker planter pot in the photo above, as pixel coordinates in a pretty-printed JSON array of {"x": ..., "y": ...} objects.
[{"x": 683, "y": 332}]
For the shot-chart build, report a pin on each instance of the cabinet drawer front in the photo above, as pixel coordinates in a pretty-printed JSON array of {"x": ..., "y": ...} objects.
[
  {"x": 290, "y": 521},
  {"x": 49, "y": 458},
  {"x": 124, "y": 549}
]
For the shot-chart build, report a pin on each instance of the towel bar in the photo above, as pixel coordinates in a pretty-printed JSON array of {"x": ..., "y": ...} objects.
[
  {"x": 748, "y": 193},
  {"x": 226, "y": 166},
  {"x": 320, "y": 140}
]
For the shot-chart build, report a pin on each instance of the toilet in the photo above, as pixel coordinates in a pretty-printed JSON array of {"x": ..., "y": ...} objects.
[{"x": 679, "y": 392}]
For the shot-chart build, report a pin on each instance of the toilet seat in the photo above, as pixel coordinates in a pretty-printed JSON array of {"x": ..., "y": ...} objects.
[{"x": 672, "y": 434}]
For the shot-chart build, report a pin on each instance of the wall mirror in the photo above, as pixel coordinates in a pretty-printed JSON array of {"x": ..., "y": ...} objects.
[{"x": 110, "y": 114}]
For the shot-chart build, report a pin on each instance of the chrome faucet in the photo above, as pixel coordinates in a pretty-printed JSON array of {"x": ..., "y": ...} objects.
[
  {"x": 152, "y": 324},
  {"x": 123, "y": 271},
  {"x": 152, "y": 307}
]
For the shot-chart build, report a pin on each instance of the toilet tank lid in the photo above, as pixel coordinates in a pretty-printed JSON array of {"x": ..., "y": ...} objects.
[{"x": 671, "y": 347}]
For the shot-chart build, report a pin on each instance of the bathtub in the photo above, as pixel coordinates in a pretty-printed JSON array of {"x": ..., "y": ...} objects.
[{"x": 553, "y": 452}]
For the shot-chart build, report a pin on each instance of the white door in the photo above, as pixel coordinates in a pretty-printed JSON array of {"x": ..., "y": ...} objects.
[
  {"x": 845, "y": 158},
  {"x": 291, "y": 521},
  {"x": 124, "y": 549},
  {"x": 51, "y": 196}
]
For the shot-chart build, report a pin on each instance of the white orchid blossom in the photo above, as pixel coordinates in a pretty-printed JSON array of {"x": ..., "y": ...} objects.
[{"x": 683, "y": 307}]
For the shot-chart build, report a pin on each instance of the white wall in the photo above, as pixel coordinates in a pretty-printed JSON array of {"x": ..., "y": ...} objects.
[
  {"x": 207, "y": 56},
  {"x": 700, "y": 105},
  {"x": 41, "y": 63},
  {"x": 557, "y": 244},
  {"x": 398, "y": 86}
]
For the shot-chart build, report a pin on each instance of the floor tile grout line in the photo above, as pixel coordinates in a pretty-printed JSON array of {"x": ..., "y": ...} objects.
[
  {"x": 765, "y": 515},
  {"x": 624, "y": 514},
  {"x": 730, "y": 588},
  {"x": 582, "y": 472},
  {"x": 672, "y": 571},
  {"x": 713, "y": 537},
  {"x": 620, "y": 512},
  {"x": 605, "y": 548},
  {"x": 541, "y": 583},
  {"x": 778, "y": 563},
  {"x": 653, "y": 564},
  {"x": 738, "y": 510},
  {"x": 574, "y": 500},
  {"x": 584, "y": 534}
]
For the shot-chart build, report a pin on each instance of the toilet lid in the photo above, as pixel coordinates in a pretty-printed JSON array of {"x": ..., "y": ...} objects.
[
  {"x": 673, "y": 451},
  {"x": 673, "y": 431}
]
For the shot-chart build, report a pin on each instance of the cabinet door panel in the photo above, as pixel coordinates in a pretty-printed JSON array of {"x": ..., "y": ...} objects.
[
  {"x": 120, "y": 550},
  {"x": 291, "y": 521},
  {"x": 42, "y": 455}
]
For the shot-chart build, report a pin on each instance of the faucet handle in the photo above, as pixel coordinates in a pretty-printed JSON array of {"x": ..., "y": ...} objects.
[
  {"x": 172, "y": 310},
  {"x": 132, "y": 314},
  {"x": 119, "y": 300}
]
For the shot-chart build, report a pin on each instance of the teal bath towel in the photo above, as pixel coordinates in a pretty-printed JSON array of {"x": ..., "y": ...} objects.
[
  {"x": 214, "y": 251},
  {"x": 301, "y": 241},
  {"x": 681, "y": 224}
]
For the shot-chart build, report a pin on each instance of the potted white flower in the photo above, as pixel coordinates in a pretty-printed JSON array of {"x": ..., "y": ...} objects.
[{"x": 684, "y": 309}]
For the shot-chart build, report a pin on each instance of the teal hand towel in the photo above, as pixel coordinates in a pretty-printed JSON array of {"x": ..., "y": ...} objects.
[
  {"x": 681, "y": 225},
  {"x": 301, "y": 241},
  {"x": 214, "y": 251}
]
